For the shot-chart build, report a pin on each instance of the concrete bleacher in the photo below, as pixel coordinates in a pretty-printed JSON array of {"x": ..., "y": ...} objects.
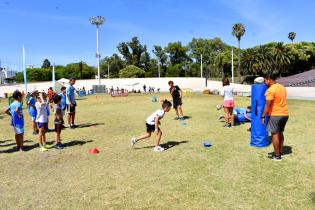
[{"x": 305, "y": 79}]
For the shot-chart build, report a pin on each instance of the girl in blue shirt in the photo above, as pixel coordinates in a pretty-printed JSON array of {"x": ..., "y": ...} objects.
[{"x": 17, "y": 118}]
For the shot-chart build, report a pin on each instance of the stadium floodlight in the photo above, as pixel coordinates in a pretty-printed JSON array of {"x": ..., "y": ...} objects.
[{"x": 98, "y": 20}]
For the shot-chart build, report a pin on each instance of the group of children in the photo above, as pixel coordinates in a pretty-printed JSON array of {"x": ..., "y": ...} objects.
[{"x": 39, "y": 110}]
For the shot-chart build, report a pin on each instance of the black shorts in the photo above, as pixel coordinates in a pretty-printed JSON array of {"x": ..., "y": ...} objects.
[
  {"x": 276, "y": 124},
  {"x": 177, "y": 102},
  {"x": 71, "y": 109},
  {"x": 58, "y": 128},
  {"x": 150, "y": 128}
]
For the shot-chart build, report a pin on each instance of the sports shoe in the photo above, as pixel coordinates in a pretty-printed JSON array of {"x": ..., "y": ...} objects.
[
  {"x": 158, "y": 149},
  {"x": 46, "y": 146},
  {"x": 133, "y": 141},
  {"x": 59, "y": 146},
  {"x": 43, "y": 149},
  {"x": 220, "y": 117},
  {"x": 276, "y": 158},
  {"x": 226, "y": 126}
]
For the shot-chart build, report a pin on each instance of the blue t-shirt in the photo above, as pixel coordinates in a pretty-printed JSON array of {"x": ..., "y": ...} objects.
[
  {"x": 16, "y": 120},
  {"x": 70, "y": 92},
  {"x": 31, "y": 109},
  {"x": 63, "y": 101}
]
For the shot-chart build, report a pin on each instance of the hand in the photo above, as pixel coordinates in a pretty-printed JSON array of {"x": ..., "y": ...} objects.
[{"x": 263, "y": 120}]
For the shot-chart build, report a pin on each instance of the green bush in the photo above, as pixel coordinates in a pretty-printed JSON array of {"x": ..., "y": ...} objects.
[{"x": 131, "y": 71}]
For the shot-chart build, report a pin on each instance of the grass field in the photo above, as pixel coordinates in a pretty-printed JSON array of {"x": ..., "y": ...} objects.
[{"x": 229, "y": 175}]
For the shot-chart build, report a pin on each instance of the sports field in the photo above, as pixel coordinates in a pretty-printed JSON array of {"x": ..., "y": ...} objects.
[{"x": 228, "y": 175}]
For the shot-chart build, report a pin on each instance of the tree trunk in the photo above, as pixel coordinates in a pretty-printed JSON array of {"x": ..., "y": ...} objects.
[{"x": 239, "y": 62}]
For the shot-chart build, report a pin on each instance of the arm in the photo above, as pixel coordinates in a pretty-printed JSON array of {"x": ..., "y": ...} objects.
[
  {"x": 7, "y": 111},
  {"x": 266, "y": 109},
  {"x": 247, "y": 117},
  {"x": 18, "y": 112}
]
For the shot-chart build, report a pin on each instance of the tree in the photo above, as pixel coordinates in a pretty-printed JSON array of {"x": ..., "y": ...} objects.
[
  {"x": 281, "y": 58},
  {"x": 161, "y": 58},
  {"x": 134, "y": 53},
  {"x": 131, "y": 71},
  {"x": 238, "y": 31},
  {"x": 46, "y": 64},
  {"x": 115, "y": 65},
  {"x": 291, "y": 36},
  {"x": 177, "y": 53}
]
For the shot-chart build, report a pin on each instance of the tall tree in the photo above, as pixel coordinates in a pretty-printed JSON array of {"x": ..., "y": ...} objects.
[
  {"x": 115, "y": 64},
  {"x": 46, "y": 64},
  {"x": 177, "y": 53},
  {"x": 134, "y": 53},
  {"x": 161, "y": 58},
  {"x": 281, "y": 58},
  {"x": 238, "y": 31},
  {"x": 291, "y": 36}
]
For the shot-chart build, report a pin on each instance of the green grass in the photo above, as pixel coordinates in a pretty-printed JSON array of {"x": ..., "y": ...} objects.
[{"x": 229, "y": 175}]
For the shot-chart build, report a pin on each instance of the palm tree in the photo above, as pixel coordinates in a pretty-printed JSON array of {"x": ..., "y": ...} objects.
[
  {"x": 281, "y": 58},
  {"x": 291, "y": 36},
  {"x": 238, "y": 31}
]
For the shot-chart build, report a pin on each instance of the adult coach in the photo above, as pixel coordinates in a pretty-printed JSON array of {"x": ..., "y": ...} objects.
[
  {"x": 276, "y": 107},
  {"x": 70, "y": 102},
  {"x": 177, "y": 95}
]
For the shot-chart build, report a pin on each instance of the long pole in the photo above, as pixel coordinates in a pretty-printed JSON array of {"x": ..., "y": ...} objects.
[
  {"x": 108, "y": 70},
  {"x": 159, "y": 68},
  {"x": 232, "y": 66},
  {"x": 53, "y": 78},
  {"x": 24, "y": 69},
  {"x": 98, "y": 57},
  {"x": 201, "y": 66}
]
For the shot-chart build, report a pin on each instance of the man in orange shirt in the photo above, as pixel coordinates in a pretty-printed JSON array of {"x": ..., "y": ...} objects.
[{"x": 276, "y": 107}]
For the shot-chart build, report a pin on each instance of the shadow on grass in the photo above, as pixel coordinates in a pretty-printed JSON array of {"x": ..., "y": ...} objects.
[
  {"x": 11, "y": 144},
  {"x": 76, "y": 142},
  {"x": 166, "y": 145},
  {"x": 79, "y": 99},
  {"x": 26, "y": 148},
  {"x": 287, "y": 150},
  {"x": 86, "y": 125},
  {"x": 187, "y": 117}
]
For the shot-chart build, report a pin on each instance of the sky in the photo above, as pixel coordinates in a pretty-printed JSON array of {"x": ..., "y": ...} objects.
[{"x": 60, "y": 31}]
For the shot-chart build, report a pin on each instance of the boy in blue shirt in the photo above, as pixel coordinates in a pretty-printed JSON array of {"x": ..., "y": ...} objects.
[
  {"x": 32, "y": 110},
  {"x": 70, "y": 101},
  {"x": 17, "y": 118}
]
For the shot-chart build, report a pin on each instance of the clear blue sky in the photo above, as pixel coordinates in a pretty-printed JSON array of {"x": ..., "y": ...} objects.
[{"x": 60, "y": 30}]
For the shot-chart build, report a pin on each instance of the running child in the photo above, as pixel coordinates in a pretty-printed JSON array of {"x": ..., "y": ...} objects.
[
  {"x": 152, "y": 124},
  {"x": 58, "y": 120},
  {"x": 32, "y": 110},
  {"x": 42, "y": 119},
  {"x": 17, "y": 118}
]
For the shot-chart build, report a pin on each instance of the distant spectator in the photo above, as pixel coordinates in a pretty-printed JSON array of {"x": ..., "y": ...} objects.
[{"x": 144, "y": 88}]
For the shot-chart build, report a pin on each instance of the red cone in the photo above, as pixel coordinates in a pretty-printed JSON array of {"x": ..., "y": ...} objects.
[{"x": 94, "y": 151}]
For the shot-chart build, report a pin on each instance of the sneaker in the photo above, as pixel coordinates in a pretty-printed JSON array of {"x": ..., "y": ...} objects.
[
  {"x": 226, "y": 126},
  {"x": 158, "y": 149},
  {"x": 176, "y": 118},
  {"x": 43, "y": 149},
  {"x": 46, "y": 146},
  {"x": 220, "y": 117},
  {"x": 71, "y": 127},
  {"x": 133, "y": 141},
  {"x": 58, "y": 146},
  {"x": 276, "y": 158},
  {"x": 22, "y": 149}
]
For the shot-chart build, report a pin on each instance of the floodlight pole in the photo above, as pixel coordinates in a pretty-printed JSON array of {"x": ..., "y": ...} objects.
[
  {"x": 24, "y": 69},
  {"x": 159, "y": 69},
  {"x": 98, "y": 20},
  {"x": 232, "y": 66},
  {"x": 108, "y": 70}
]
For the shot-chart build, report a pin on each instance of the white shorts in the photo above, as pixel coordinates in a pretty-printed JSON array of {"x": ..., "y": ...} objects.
[{"x": 18, "y": 130}]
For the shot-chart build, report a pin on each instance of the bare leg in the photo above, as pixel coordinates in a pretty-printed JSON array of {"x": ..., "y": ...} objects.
[
  {"x": 281, "y": 140},
  {"x": 73, "y": 116},
  {"x": 21, "y": 140},
  {"x": 226, "y": 110},
  {"x": 42, "y": 136},
  {"x": 180, "y": 110},
  {"x": 69, "y": 119},
  {"x": 176, "y": 110},
  {"x": 144, "y": 136},
  {"x": 276, "y": 143},
  {"x": 17, "y": 141},
  {"x": 158, "y": 137},
  {"x": 232, "y": 116}
]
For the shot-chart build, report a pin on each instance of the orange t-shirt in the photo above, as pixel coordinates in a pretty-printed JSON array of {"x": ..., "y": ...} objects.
[{"x": 278, "y": 94}]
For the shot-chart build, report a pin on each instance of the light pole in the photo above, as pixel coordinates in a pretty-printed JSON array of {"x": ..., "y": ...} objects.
[
  {"x": 98, "y": 20},
  {"x": 159, "y": 68}
]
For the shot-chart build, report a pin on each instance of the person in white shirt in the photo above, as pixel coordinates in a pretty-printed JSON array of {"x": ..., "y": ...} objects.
[
  {"x": 228, "y": 102},
  {"x": 152, "y": 124},
  {"x": 42, "y": 119}
]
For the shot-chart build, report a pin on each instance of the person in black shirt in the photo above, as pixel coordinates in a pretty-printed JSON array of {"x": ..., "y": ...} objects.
[{"x": 177, "y": 95}]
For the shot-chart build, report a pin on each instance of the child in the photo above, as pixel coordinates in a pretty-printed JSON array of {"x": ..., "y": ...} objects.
[
  {"x": 63, "y": 99},
  {"x": 58, "y": 120},
  {"x": 152, "y": 124},
  {"x": 32, "y": 110},
  {"x": 42, "y": 119},
  {"x": 17, "y": 119},
  {"x": 228, "y": 104},
  {"x": 177, "y": 95}
]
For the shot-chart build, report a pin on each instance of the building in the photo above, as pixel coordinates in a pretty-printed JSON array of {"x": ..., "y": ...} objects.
[{"x": 7, "y": 75}]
